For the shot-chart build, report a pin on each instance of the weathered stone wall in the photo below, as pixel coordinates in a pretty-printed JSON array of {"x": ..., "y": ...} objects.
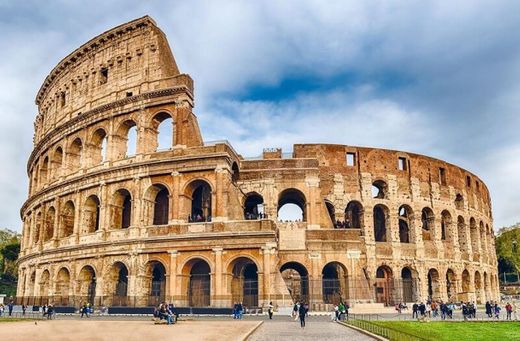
[{"x": 160, "y": 222}]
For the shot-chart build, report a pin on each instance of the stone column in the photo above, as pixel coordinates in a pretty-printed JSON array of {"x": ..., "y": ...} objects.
[
  {"x": 315, "y": 281},
  {"x": 175, "y": 206},
  {"x": 312, "y": 211},
  {"x": 77, "y": 217},
  {"x": 267, "y": 252},
  {"x": 174, "y": 286},
  {"x": 217, "y": 299},
  {"x": 219, "y": 209}
]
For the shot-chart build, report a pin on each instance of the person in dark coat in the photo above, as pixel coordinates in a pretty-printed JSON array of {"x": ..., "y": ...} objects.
[
  {"x": 488, "y": 309},
  {"x": 415, "y": 308},
  {"x": 302, "y": 312}
]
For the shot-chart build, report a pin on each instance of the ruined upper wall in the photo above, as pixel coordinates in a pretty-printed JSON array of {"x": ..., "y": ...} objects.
[{"x": 125, "y": 61}]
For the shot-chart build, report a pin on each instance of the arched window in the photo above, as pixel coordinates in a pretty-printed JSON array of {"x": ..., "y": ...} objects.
[
  {"x": 99, "y": 146},
  {"x": 428, "y": 222},
  {"x": 61, "y": 294},
  {"x": 161, "y": 206},
  {"x": 451, "y": 287},
  {"x": 201, "y": 207},
  {"x": 49, "y": 224},
  {"x": 445, "y": 225},
  {"x": 291, "y": 205},
  {"x": 56, "y": 162},
  {"x": 87, "y": 284},
  {"x": 125, "y": 140},
  {"x": 334, "y": 283},
  {"x": 157, "y": 274},
  {"x": 474, "y": 235},
  {"x": 433, "y": 285},
  {"x": 244, "y": 282},
  {"x": 254, "y": 206},
  {"x": 461, "y": 229},
  {"x": 236, "y": 172},
  {"x": 379, "y": 189},
  {"x": 44, "y": 170},
  {"x": 37, "y": 228},
  {"x": 296, "y": 278},
  {"x": 384, "y": 285},
  {"x": 200, "y": 284},
  {"x": 354, "y": 215},
  {"x": 332, "y": 215},
  {"x": 163, "y": 123},
  {"x": 459, "y": 202},
  {"x": 380, "y": 223},
  {"x": 67, "y": 219},
  {"x": 405, "y": 220},
  {"x": 91, "y": 212},
  {"x": 408, "y": 285},
  {"x": 74, "y": 155},
  {"x": 122, "y": 209}
]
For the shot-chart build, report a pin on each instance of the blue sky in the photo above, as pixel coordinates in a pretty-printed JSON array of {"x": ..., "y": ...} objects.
[{"x": 431, "y": 77}]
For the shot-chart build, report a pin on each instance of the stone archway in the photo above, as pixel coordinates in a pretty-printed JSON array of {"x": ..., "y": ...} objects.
[
  {"x": 244, "y": 282},
  {"x": 334, "y": 282},
  {"x": 384, "y": 285},
  {"x": 156, "y": 285},
  {"x": 117, "y": 284},
  {"x": 87, "y": 284},
  {"x": 434, "y": 292},
  {"x": 451, "y": 285},
  {"x": 199, "y": 288},
  {"x": 62, "y": 287},
  {"x": 296, "y": 279}
]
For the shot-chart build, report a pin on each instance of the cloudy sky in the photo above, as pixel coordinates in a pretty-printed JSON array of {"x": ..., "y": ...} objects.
[{"x": 437, "y": 78}]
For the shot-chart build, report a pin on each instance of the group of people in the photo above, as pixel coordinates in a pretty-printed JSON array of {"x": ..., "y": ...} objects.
[
  {"x": 238, "y": 310},
  {"x": 198, "y": 218},
  {"x": 468, "y": 309},
  {"x": 300, "y": 310},
  {"x": 10, "y": 306},
  {"x": 48, "y": 310},
  {"x": 255, "y": 216},
  {"x": 340, "y": 311},
  {"x": 165, "y": 312},
  {"x": 342, "y": 224},
  {"x": 86, "y": 309}
]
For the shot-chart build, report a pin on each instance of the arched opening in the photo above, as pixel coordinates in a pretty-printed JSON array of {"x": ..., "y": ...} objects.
[
  {"x": 67, "y": 219},
  {"x": 57, "y": 162},
  {"x": 118, "y": 280},
  {"x": 334, "y": 283},
  {"x": 163, "y": 125},
  {"x": 433, "y": 285},
  {"x": 35, "y": 175},
  {"x": 446, "y": 225},
  {"x": 201, "y": 208},
  {"x": 99, "y": 146},
  {"x": 49, "y": 224},
  {"x": 474, "y": 236},
  {"x": 291, "y": 205},
  {"x": 379, "y": 189},
  {"x": 157, "y": 273},
  {"x": 408, "y": 285},
  {"x": 74, "y": 155},
  {"x": 482, "y": 235},
  {"x": 384, "y": 285},
  {"x": 332, "y": 215},
  {"x": 44, "y": 286},
  {"x": 87, "y": 284},
  {"x": 428, "y": 223},
  {"x": 235, "y": 172},
  {"x": 37, "y": 228},
  {"x": 405, "y": 223},
  {"x": 61, "y": 292},
  {"x": 244, "y": 282},
  {"x": 122, "y": 209},
  {"x": 44, "y": 170},
  {"x": 91, "y": 215},
  {"x": 254, "y": 206},
  {"x": 296, "y": 279},
  {"x": 161, "y": 205},
  {"x": 465, "y": 283},
  {"x": 32, "y": 282},
  {"x": 354, "y": 215},
  {"x": 459, "y": 202},
  {"x": 126, "y": 145},
  {"x": 461, "y": 230},
  {"x": 451, "y": 285},
  {"x": 478, "y": 288},
  {"x": 486, "y": 285},
  {"x": 200, "y": 284},
  {"x": 380, "y": 223}
]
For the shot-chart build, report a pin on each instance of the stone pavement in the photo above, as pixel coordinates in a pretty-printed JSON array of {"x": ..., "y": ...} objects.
[{"x": 283, "y": 328}]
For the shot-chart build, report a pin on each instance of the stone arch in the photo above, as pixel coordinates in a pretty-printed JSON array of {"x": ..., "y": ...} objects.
[
  {"x": 163, "y": 125},
  {"x": 461, "y": 231},
  {"x": 354, "y": 215},
  {"x": 117, "y": 283},
  {"x": 459, "y": 202},
  {"x": 87, "y": 282},
  {"x": 199, "y": 192},
  {"x": 406, "y": 218},
  {"x": 384, "y": 285},
  {"x": 446, "y": 226},
  {"x": 31, "y": 287},
  {"x": 235, "y": 172},
  {"x": 379, "y": 189},
  {"x": 156, "y": 285},
  {"x": 253, "y": 206},
  {"x": 381, "y": 223},
  {"x": 478, "y": 288},
  {"x": 121, "y": 209},
  {"x": 44, "y": 170},
  {"x": 91, "y": 214},
  {"x": 451, "y": 284},
  {"x": 434, "y": 292},
  {"x": 126, "y": 135},
  {"x": 409, "y": 287},
  {"x": 158, "y": 204},
  {"x": 197, "y": 271},
  {"x": 473, "y": 230},
  {"x": 244, "y": 281},
  {"x": 466, "y": 280},
  {"x": 75, "y": 155},
  {"x": 428, "y": 223},
  {"x": 67, "y": 219},
  {"x": 483, "y": 240},
  {"x": 57, "y": 161},
  {"x": 98, "y": 145},
  {"x": 62, "y": 286},
  {"x": 334, "y": 282},
  {"x": 332, "y": 213},
  {"x": 48, "y": 231},
  {"x": 296, "y": 278},
  {"x": 37, "y": 228},
  {"x": 289, "y": 200},
  {"x": 45, "y": 282}
]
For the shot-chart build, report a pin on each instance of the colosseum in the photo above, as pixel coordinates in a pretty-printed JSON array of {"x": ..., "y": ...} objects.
[{"x": 117, "y": 217}]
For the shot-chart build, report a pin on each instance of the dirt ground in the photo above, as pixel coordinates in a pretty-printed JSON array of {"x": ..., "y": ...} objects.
[{"x": 94, "y": 330}]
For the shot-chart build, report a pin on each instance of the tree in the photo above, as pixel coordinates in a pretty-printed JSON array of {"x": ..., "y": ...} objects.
[{"x": 508, "y": 249}]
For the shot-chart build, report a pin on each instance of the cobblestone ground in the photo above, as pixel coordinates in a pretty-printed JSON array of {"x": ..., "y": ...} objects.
[{"x": 317, "y": 329}]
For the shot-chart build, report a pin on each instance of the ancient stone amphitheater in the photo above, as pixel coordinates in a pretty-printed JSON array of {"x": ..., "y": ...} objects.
[{"x": 117, "y": 217}]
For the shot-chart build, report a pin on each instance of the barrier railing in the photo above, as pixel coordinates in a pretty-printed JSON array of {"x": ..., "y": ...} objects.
[{"x": 386, "y": 332}]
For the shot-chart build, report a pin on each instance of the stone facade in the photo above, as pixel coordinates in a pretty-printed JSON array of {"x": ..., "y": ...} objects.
[{"x": 197, "y": 223}]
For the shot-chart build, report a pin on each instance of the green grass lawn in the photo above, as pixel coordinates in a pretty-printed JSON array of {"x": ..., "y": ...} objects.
[
  {"x": 12, "y": 319},
  {"x": 456, "y": 330}
]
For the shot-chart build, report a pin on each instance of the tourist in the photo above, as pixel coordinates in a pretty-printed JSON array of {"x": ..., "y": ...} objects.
[
  {"x": 422, "y": 309},
  {"x": 302, "y": 312},
  {"x": 444, "y": 310},
  {"x": 1, "y": 310},
  {"x": 451, "y": 308},
  {"x": 335, "y": 313},
  {"x": 24, "y": 308},
  {"x": 296, "y": 308},
  {"x": 270, "y": 308},
  {"x": 240, "y": 310},
  {"x": 10, "y": 306},
  {"x": 50, "y": 311},
  {"x": 341, "y": 309},
  {"x": 435, "y": 309},
  {"x": 415, "y": 309},
  {"x": 497, "y": 311},
  {"x": 465, "y": 311},
  {"x": 235, "y": 310},
  {"x": 428, "y": 309},
  {"x": 509, "y": 311},
  {"x": 347, "y": 307},
  {"x": 488, "y": 310}
]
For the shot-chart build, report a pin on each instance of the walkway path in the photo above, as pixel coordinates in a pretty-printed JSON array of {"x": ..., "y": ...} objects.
[{"x": 284, "y": 329}]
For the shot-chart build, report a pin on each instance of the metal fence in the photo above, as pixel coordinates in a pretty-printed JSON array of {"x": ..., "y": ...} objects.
[{"x": 386, "y": 332}]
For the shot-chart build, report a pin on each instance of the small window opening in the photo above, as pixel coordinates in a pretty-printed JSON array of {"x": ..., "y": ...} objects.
[
  {"x": 103, "y": 76},
  {"x": 402, "y": 164},
  {"x": 477, "y": 185},
  {"x": 442, "y": 176},
  {"x": 62, "y": 98},
  {"x": 351, "y": 159},
  {"x": 468, "y": 181},
  {"x": 129, "y": 94}
]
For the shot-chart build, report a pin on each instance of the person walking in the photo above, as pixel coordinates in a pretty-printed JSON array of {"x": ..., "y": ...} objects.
[
  {"x": 270, "y": 308},
  {"x": 488, "y": 310},
  {"x": 296, "y": 309},
  {"x": 497, "y": 311},
  {"x": 302, "y": 312},
  {"x": 509, "y": 311},
  {"x": 24, "y": 308},
  {"x": 341, "y": 309},
  {"x": 415, "y": 309},
  {"x": 10, "y": 306}
]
